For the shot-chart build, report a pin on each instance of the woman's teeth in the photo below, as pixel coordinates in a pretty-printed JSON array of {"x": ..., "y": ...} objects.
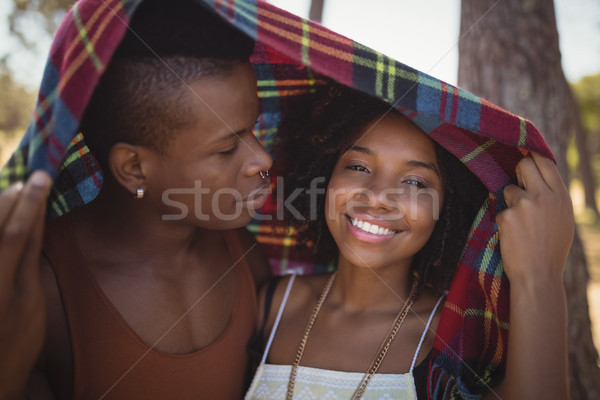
[{"x": 371, "y": 228}]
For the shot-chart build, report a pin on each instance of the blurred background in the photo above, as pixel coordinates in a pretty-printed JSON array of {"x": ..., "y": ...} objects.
[{"x": 537, "y": 58}]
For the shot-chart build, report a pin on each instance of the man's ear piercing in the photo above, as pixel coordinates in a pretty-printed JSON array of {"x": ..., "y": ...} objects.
[{"x": 139, "y": 193}]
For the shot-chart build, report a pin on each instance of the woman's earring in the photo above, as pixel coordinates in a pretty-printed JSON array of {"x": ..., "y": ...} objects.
[
  {"x": 264, "y": 174},
  {"x": 139, "y": 193}
]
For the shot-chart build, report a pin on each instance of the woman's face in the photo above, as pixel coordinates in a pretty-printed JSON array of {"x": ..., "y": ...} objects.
[{"x": 385, "y": 195}]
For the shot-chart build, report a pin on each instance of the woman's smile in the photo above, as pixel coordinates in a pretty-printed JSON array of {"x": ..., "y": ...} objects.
[
  {"x": 369, "y": 231},
  {"x": 383, "y": 192}
]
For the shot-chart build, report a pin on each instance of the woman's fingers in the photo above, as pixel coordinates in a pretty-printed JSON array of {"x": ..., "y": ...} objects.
[
  {"x": 529, "y": 176},
  {"x": 512, "y": 194},
  {"x": 536, "y": 229},
  {"x": 549, "y": 172}
]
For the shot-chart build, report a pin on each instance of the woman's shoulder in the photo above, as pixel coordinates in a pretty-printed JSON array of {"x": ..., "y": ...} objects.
[
  {"x": 303, "y": 292},
  {"x": 425, "y": 316},
  {"x": 304, "y": 289},
  {"x": 428, "y": 300}
]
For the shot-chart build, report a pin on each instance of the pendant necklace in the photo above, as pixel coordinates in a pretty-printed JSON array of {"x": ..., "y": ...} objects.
[{"x": 383, "y": 349}]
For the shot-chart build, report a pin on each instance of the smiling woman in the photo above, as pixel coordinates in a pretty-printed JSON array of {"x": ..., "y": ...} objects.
[
  {"x": 351, "y": 142},
  {"x": 381, "y": 193},
  {"x": 394, "y": 220}
]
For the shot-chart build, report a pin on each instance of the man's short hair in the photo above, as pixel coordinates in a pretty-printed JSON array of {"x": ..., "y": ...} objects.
[{"x": 143, "y": 96}]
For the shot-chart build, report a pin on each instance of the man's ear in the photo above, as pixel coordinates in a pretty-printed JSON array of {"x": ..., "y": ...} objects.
[{"x": 128, "y": 164}]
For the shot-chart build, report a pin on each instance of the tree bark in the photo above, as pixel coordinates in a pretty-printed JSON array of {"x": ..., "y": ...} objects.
[
  {"x": 585, "y": 166},
  {"x": 509, "y": 54},
  {"x": 316, "y": 10}
]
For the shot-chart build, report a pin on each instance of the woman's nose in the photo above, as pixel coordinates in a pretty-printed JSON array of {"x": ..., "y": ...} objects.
[{"x": 380, "y": 194}]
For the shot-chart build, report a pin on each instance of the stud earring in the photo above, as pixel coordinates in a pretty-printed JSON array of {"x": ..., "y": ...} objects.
[
  {"x": 264, "y": 174},
  {"x": 139, "y": 193}
]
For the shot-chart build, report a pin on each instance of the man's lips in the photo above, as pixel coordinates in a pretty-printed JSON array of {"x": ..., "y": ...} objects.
[{"x": 257, "y": 198}]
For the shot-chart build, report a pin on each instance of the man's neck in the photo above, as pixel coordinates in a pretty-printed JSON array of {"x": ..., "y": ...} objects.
[{"x": 118, "y": 229}]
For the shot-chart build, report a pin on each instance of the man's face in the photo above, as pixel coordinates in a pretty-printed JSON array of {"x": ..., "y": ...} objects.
[{"x": 209, "y": 173}]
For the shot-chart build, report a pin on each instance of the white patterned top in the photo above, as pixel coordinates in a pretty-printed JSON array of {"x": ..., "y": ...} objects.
[{"x": 271, "y": 381}]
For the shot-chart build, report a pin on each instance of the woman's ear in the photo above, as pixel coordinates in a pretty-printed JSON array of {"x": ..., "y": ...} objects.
[{"x": 128, "y": 164}]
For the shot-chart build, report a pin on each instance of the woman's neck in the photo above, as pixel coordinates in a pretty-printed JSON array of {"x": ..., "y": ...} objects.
[{"x": 360, "y": 287}]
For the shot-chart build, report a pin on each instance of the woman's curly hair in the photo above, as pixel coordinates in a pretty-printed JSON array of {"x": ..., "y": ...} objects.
[{"x": 320, "y": 129}]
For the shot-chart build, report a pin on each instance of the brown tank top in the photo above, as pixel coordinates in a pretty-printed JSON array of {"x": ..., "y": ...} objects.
[{"x": 111, "y": 362}]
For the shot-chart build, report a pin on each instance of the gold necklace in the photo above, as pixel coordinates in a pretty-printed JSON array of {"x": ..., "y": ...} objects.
[{"x": 383, "y": 349}]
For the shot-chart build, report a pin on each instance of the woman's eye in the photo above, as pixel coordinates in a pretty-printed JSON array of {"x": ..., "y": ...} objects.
[
  {"x": 358, "y": 168},
  {"x": 415, "y": 183}
]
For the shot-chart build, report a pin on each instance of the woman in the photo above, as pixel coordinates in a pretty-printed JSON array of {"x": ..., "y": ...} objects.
[{"x": 367, "y": 329}]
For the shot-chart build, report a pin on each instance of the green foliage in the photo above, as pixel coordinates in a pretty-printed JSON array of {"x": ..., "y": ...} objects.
[
  {"x": 587, "y": 93},
  {"x": 573, "y": 159}
]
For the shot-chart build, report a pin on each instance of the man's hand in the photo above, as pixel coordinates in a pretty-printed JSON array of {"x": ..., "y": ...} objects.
[{"x": 22, "y": 305}]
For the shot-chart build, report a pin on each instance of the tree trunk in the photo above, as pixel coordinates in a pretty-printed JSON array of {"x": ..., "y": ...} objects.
[
  {"x": 585, "y": 165},
  {"x": 509, "y": 54},
  {"x": 316, "y": 10}
]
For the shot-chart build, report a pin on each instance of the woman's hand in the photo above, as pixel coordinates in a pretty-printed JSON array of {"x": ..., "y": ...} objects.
[
  {"x": 536, "y": 231},
  {"x": 22, "y": 305}
]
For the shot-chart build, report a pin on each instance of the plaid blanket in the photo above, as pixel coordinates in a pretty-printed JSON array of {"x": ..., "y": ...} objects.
[{"x": 290, "y": 55}]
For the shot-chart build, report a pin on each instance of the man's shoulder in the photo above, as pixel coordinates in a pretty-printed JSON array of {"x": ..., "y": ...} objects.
[{"x": 257, "y": 261}]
